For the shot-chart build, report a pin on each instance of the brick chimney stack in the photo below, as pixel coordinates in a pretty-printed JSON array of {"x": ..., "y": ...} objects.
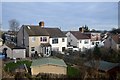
[
  {"x": 41, "y": 24},
  {"x": 81, "y": 29}
]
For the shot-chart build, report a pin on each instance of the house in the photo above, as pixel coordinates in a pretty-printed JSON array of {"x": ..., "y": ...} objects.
[
  {"x": 113, "y": 41},
  {"x": 48, "y": 65},
  {"x": 41, "y": 40},
  {"x": 107, "y": 69},
  {"x": 10, "y": 37},
  {"x": 95, "y": 37},
  {"x": 79, "y": 40},
  {"x": 13, "y": 51},
  {"x": 57, "y": 39}
]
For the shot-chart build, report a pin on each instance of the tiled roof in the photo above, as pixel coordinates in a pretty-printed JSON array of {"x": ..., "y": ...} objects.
[
  {"x": 55, "y": 32},
  {"x": 35, "y": 31},
  {"x": 116, "y": 38},
  {"x": 52, "y": 61},
  {"x": 79, "y": 35},
  {"x": 102, "y": 65},
  {"x": 38, "y": 31}
]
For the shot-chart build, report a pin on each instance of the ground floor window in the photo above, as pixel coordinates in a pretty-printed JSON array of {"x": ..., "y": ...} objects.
[
  {"x": 32, "y": 48},
  {"x": 63, "y": 49}
]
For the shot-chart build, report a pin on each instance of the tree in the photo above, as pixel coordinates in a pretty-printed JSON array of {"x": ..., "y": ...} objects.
[{"x": 14, "y": 25}]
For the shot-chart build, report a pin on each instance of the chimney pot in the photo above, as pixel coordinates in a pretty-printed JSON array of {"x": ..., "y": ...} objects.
[{"x": 41, "y": 24}]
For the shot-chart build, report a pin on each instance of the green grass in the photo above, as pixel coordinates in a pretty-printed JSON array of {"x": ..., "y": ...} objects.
[
  {"x": 11, "y": 66},
  {"x": 72, "y": 72}
]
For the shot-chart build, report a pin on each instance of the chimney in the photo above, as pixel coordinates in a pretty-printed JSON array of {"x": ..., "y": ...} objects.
[
  {"x": 41, "y": 24},
  {"x": 81, "y": 29}
]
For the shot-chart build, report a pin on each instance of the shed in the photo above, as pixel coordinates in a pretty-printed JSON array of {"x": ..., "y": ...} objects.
[
  {"x": 13, "y": 51},
  {"x": 108, "y": 68},
  {"x": 48, "y": 65}
]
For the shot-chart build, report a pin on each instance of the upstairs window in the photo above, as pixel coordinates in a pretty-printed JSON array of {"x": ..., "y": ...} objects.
[
  {"x": 80, "y": 41},
  {"x": 86, "y": 42},
  {"x": 43, "y": 39},
  {"x": 92, "y": 43},
  {"x": 33, "y": 39},
  {"x": 55, "y": 41},
  {"x": 63, "y": 40}
]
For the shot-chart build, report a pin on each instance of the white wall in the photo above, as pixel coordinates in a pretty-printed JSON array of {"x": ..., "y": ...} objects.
[
  {"x": 60, "y": 43},
  {"x": 82, "y": 45},
  {"x": 9, "y": 50},
  {"x": 71, "y": 39},
  {"x": 19, "y": 53}
]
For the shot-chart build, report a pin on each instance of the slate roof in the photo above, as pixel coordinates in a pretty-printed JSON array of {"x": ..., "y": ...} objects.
[
  {"x": 35, "y": 30},
  {"x": 116, "y": 38},
  {"x": 103, "y": 65},
  {"x": 55, "y": 32},
  {"x": 52, "y": 61},
  {"x": 38, "y": 31},
  {"x": 79, "y": 35}
]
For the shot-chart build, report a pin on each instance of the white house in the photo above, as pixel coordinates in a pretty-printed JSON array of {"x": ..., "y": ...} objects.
[
  {"x": 57, "y": 39},
  {"x": 79, "y": 40},
  {"x": 113, "y": 41}
]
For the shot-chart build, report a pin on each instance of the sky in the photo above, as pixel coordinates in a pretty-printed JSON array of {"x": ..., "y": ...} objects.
[{"x": 64, "y": 15}]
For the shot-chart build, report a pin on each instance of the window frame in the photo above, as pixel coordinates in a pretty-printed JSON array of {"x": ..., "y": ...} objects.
[{"x": 55, "y": 41}]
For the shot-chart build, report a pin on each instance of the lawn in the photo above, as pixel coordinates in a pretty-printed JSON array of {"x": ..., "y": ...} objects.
[
  {"x": 73, "y": 72},
  {"x": 11, "y": 66}
]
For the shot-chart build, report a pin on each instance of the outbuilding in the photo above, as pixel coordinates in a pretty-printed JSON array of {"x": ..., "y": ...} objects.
[{"x": 48, "y": 65}]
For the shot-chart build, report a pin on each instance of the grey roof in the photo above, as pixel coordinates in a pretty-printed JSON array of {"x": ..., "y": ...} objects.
[
  {"x": 52, "y": 61},
  {"x": 79, "y": 35},
  {"x": 38, "y": 31},
  {"x": 55, "y": 32},
  {"x": 102, "y": 65},
  {"x": 35, "y": 31}
]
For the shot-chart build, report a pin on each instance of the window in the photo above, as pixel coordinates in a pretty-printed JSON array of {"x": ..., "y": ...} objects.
[
  {"x": 80, "y": 41},
  {"x": 32, "y": 48},
  {"x": 55, "y": 41},
  {"x": 86, "y": 42},
  {"x": 43, "y": 39},
  {"x": 63, "y": 49},
  {"x": 63, "y": 40},
  {"x": 33, "y": 39},
  {"x": 97, "y": 42}
]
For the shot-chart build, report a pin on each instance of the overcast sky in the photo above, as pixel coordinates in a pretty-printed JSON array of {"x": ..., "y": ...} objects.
[{"x": 67, "y": 15}]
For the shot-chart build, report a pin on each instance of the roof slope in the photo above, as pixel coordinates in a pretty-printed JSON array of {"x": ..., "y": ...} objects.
[
  {"x": 35, "y": 31},
  {"x": 79, "y": 35},
  {"x": 55, "y": 32},
  {"x": 102, "y": 65},
  {"x": 38, "y": 31},
  {"x": 52, "y": 61}
]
